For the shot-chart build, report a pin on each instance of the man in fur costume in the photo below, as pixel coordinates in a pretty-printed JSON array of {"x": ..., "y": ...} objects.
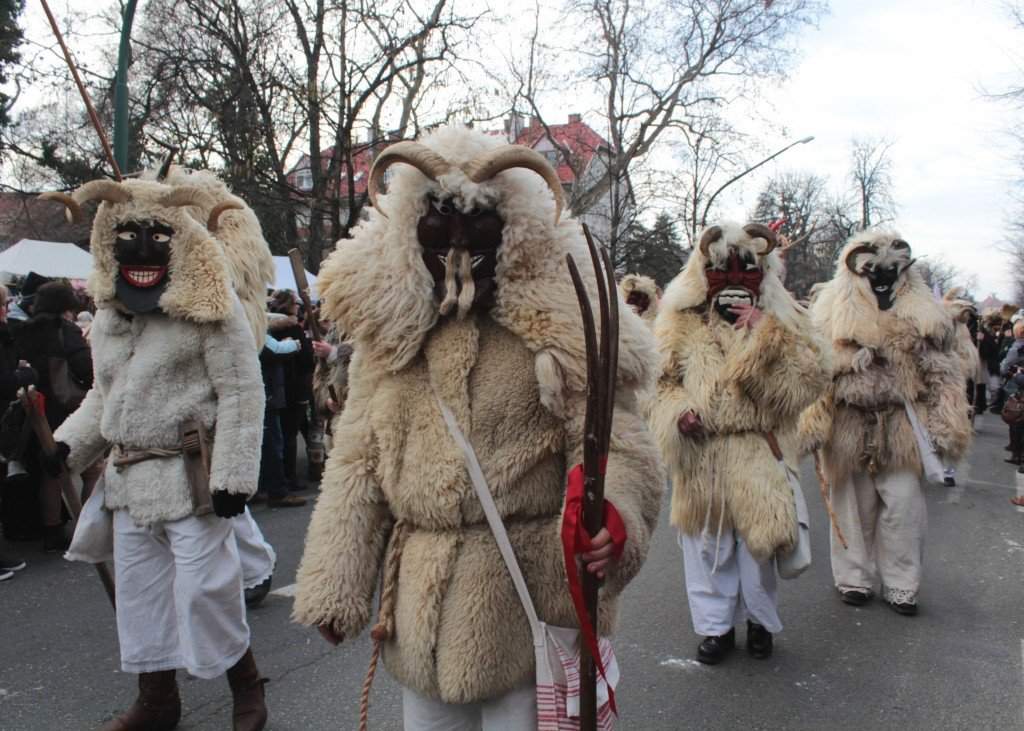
[
  {"x": 642, "y": 294},
  {"x": 178, "y": 277},
  {"x": 739, "y": 365},
  {"x": 894, "y": 349},
  {"x": 455, "y": 290}
]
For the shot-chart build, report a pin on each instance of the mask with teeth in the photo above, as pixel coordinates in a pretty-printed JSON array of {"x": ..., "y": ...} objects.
[
  {"x": 739, "y": 283},
  {"x": 639, "y": 301},
  {"x": 143, "y": 253},
  {"x": 460, "y": 249},
  {"x": 882, "y": 274}
]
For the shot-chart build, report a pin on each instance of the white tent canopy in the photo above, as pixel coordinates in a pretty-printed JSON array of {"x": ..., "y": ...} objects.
[
  {"x": 47, "y": 258},
  {"x": 285, "y": 279}
]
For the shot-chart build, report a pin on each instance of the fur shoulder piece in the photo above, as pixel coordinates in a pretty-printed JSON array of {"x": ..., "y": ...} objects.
[
  {"x": 845, "y": 308},
  {"x": 377, "y": 288}
]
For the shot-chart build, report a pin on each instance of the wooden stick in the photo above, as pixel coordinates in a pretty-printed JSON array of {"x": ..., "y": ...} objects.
[
  {"x": 93, "y": 117},
  {"x": 825, "y": 496},
  {"x": 602, "y": 365},
  {"x": 72, "y": 501},
  {"x": 299, "y": 272}
]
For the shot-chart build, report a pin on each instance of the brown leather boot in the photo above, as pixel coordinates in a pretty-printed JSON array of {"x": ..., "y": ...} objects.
[
  {"x": 158, "y": 707},
  {"x": 250, "y": 712}
]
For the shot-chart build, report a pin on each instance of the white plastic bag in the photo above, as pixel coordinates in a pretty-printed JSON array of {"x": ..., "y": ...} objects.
[
  {"x": 93, "y": 541},
  {"x": 934, "y": 470},
  {"x": 791, "y": 565}
]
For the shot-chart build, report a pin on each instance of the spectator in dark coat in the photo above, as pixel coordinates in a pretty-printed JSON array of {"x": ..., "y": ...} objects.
[
  {"x": 55, "y": 348},
  {"x": 298, "y": 382}
]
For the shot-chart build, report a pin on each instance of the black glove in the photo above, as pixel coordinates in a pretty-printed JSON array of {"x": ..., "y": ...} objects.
[
  {"x": 228, "y": 504},
  {"x": 57, "y": 462}
]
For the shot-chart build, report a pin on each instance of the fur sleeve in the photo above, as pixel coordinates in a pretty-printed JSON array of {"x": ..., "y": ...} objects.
[
  {"x": 634, "y": 483},
  {"x": 780, "y": 370},
  {"x": 81, "y": 432},
  {"x": 233, "y": 367},
  {"x": 945, "y": 399},
  {"x": 350, "y": 525},
  {"x": 814, "y": 427}
]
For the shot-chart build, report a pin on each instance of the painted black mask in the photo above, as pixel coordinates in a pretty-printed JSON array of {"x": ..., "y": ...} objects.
[
  {"x": 883, "y": 279},
  {"x": 883, "y": 282},
  {"x": 460, "y": 250},
  {"x": 143, "y": 254},
  {"x": 639, "y": 301}
]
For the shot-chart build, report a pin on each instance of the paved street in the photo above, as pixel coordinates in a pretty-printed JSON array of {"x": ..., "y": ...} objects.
[{"x": 958, "y": 665}]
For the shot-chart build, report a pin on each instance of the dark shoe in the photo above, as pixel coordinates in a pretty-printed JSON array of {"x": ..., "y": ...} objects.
[
  {"x": 759, "y": 641},
  {"x": 158, "y": 707},
  {"x": 287, "y": 501},
  {"x": 949, "y": 482},
  {"x": 55, "y": 539},
  {"x": 258, "y": 593},
  {"x": 712, "y": 650},
  {"x": 855, "y": 597},
  {"x": 250, "y": 709},
  {"x": 11, "y": 563},
  {"x": 5, "y": 575},
  {"x": 904, "y": 608}
]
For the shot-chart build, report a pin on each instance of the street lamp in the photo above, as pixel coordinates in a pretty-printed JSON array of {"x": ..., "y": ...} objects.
[{"x": 730, "y": 181}]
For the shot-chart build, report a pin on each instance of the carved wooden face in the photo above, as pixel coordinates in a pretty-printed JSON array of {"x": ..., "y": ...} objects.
[
  {"x": 460, "y": 250},
  {"x": 143, "y": 253},
  {"x": 736, "y": 282}
]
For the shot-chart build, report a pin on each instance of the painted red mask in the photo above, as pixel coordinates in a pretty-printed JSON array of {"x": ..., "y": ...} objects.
[{"x": 735, "y": 275}]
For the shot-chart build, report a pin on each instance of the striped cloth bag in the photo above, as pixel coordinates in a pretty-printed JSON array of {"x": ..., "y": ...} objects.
[{"x": 556, "y": 649}]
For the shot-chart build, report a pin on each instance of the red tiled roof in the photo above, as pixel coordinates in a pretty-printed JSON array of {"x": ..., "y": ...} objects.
[
  {"x": 577, "y": 136},
  {"x": 361, "y": 169}
]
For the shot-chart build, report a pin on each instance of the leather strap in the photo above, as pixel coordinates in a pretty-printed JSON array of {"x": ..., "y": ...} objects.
[
  {"x": 483, "y": 492},
  {"x": 773, "y": 444}
]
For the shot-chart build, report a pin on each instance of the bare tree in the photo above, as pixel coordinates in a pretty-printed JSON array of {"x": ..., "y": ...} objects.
[
  {"x": 871, "y": 177},
  {"x": 651, "y": 68}
]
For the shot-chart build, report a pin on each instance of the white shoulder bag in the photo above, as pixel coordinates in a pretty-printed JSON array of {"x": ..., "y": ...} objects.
[{"x": 556, "y": 649}]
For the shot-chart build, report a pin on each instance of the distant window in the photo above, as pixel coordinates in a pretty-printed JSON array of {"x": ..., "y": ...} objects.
[{"x": 304, "y": 180}]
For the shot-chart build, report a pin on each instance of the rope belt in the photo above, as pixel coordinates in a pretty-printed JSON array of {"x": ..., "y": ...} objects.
[
  {"x": 877, "y": 436},
  {"x": 385, "y": 627},
  {"x": 124, "y": 457}
]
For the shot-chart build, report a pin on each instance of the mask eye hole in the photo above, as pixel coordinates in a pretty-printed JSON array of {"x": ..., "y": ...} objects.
[
  {"x": 161, "y": 238},
  {"x": 127, "y": 236},
  {"x": 900, "y": 244},
  {"x": 444, "y": 207}
]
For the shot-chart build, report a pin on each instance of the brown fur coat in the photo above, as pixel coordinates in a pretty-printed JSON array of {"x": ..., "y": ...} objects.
[
  {"x": 395, "y": 485},
  {"x": 741, "y": 384},
  {"x": 881, "y": 360}
]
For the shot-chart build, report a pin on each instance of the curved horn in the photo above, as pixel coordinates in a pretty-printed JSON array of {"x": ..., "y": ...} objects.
[
  {"x": 710, "y": 236},
  {"x": 166, "y": 166},
  {"x": 418, "y": 155},
  {"x": 760, "y": 231},
  {"x": 187, "y": 195},
  {"x": 213, "y": 222},
  {"x": 856, "y": 251},
  {"x": 487, "y": 165},
  {"x": 72, "y": 211},
  {"x": 104, "y": 190}
]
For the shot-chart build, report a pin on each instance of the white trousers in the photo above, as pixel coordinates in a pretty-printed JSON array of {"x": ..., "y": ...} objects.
[
  {"x": 736, "y": 589},
  {"x": 514, "y": 711},
  {"x": 179, "y": 595},
  {"x": 256, "y": 554},
  {"x": 883, "y": 520}
]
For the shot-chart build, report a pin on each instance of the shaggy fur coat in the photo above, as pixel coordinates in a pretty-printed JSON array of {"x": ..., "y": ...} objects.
[
  {"x": 196, "y": 358},
  {"x": 883, "y": 359},
  {"x": 742, "y": 383},
  {"x": 395, "y": 486},
  {"x": 151, "y": 373}
]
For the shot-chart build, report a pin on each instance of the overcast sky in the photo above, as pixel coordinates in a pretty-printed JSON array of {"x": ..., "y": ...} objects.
[{"x": 914, "y": 71}]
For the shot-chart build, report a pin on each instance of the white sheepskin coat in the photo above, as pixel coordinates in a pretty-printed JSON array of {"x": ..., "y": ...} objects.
[
  {"x": 514, "y": 379},
  {"x": 742, "y": 384}
]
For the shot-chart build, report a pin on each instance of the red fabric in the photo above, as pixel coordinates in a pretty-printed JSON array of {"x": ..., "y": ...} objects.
[
  {"x": 41, "y": 401},
  {"x": 776, "y": 226},
  {"x": 576, "y": 540}
]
